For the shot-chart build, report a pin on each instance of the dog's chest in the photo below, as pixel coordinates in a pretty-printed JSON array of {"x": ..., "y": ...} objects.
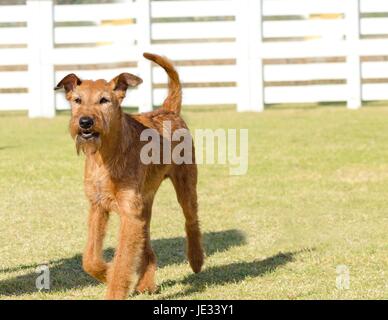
[{"x": 99, "y": 188}]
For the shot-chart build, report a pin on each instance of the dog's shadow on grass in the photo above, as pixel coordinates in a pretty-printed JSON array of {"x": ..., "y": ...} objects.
[
  {"x": 2, "y": 148},
  {"x": 226, "y": 274},
  {"x": 66, "y": 274}
]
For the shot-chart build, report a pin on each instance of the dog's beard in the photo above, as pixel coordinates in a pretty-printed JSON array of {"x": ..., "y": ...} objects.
[{"x": 88, "y": 147}]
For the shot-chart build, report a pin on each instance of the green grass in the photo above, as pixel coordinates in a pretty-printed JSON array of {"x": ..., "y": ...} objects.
[{"x": 315, "y": 197}]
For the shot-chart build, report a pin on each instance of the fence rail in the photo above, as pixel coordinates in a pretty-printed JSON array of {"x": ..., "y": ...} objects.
[{"x": 246, "y": 53}]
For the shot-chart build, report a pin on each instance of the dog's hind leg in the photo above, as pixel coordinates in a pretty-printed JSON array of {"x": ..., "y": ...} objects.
[
  {"x": 184, "y": 179},
  {"x": 92, "y": 260},
  {"x": 148, "y": 265}
]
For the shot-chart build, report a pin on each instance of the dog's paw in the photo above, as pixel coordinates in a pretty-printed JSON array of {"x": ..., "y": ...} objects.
[
  {"x": 144, "y": 287},
  {"x": 196, "y": 260}
]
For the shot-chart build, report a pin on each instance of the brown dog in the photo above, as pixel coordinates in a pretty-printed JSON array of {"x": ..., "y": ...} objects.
[{"x": 116, "y": 180}]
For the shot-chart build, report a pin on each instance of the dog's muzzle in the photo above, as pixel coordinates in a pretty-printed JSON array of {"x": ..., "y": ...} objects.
[{"x": 85, "y": 132}]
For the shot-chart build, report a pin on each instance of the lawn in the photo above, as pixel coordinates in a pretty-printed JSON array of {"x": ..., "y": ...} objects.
[{"x": 315, "y": 197}]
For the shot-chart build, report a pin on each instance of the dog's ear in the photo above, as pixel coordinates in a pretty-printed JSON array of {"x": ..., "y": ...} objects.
[
  {"x": 68, "y": 83},
  {"x": 125, "y": 80}
]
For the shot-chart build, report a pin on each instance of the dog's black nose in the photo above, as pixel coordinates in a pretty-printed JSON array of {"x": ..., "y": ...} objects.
[{"x": 86, "y": 122}]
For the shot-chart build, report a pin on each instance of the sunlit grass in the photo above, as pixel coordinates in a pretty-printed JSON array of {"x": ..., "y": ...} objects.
[{"x": 315, "y": 197}]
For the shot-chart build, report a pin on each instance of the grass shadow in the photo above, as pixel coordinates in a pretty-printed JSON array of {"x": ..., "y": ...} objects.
[
  {"x": 66, "y": 274},
  {"x": 7, "y": 147},
  {"x": 231, "y": 273}
]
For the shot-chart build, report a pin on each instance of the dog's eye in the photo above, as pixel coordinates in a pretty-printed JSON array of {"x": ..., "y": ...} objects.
[
  {"x": 77, "y": 100},
  {"x": 104, "y": 100}
]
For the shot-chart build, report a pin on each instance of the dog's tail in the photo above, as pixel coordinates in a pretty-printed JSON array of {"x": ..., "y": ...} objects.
[{"x": 173, "y": 101}]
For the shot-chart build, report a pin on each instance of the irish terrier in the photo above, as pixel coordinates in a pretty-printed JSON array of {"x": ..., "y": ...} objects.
[{"x": 116, "y": 180}]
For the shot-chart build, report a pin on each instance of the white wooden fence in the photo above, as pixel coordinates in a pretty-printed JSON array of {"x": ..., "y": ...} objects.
[{"x": 247, "y": 53}]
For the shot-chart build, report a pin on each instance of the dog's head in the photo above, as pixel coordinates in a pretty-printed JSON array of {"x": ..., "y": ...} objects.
[{"x": 95, "y": 107}]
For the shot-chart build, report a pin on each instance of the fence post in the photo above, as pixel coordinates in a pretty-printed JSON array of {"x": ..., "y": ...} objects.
[
  {"x": 40, "y": 25},
  {"x": 249, "y": 41},
  {"x": 354, "y": 79},
  {"x": 144, "y": 36}
]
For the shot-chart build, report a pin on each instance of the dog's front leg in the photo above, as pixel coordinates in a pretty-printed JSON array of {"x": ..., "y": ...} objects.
[
  {"x": 123, "y": 274},
  {"x": 93, "y": 261}
]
